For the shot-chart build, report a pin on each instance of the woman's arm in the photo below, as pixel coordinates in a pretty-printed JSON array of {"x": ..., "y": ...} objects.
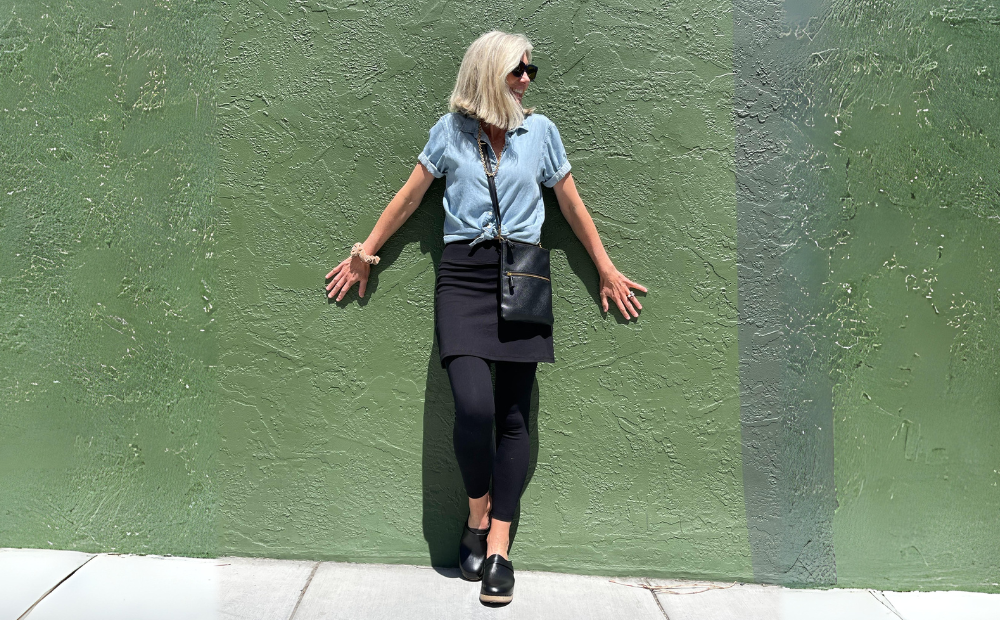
[
  {"x": 399, "y": 209},
  {"x": 614, "y": 285}
]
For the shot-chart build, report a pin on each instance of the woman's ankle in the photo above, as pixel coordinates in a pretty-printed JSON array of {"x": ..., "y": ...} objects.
[
  {"x": 479, "y": 524},
  {"x": 498, "y": 542},
  {"x": 500, "y": 547},
  {"x": 479, "y": 512}
]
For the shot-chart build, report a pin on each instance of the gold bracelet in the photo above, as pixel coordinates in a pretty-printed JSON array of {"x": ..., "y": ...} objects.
[{"x": 359, "y": 250}]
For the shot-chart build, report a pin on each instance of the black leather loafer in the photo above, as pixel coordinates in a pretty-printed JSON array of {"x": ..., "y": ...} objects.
[
  {"x": 472, "y": 553},
  {"x": 498, "y": 580}
]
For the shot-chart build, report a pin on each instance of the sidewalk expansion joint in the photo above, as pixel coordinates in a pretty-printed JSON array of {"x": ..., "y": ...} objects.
[
  {"x": 53, "y": 588},
  {"x": 302, "y": 594},
  {"x": 881, "y": 598},
  {"x": 656, "y": 598}
]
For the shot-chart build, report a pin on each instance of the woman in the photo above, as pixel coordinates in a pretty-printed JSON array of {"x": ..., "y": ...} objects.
[{"x": 524, "y": 151}]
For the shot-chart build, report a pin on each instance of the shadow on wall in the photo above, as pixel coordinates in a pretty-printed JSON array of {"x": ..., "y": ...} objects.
[
  {"x": 445, "y": 501},
  {"x": 557, "y": 235},
  {"x": 445, "y": 505}
]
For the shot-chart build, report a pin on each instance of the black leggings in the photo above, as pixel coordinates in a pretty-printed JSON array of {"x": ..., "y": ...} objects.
[{"x": 477, "y": 405}]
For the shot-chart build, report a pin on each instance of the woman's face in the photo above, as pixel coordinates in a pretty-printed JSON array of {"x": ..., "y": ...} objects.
[{"x": 518, "y": 85}]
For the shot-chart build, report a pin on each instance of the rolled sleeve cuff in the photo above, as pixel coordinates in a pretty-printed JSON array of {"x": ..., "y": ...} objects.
[
  {"x": 559, "y": 174},
  {"x": 430, "y": 167}
]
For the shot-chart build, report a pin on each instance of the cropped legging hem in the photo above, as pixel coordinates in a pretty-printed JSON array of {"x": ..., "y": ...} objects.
[{"x": 484, "y": 457}]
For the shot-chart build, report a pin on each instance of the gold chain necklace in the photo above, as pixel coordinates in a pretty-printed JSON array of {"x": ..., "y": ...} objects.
[{"x": 482, "y": 155}]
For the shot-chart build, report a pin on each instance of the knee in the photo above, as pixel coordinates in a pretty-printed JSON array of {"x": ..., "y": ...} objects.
[
  {"x": 512, "y": 422},
  {"x": 474, "y": 413}
]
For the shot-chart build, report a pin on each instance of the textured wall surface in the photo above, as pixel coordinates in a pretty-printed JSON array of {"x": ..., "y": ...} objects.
[
  {"x": 785, "y": 394},
  {"x": 894, "y": 196},
  {"x": 868, "y": 212},
  {"x": 336, "y": 419},
  {"x": 106, "y": 330},
  {"x": 178, "y": 176}
]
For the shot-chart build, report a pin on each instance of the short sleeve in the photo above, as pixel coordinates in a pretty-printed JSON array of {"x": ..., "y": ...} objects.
[
  {"x": 433, "y": 156},
  {"x": 555, "y": 164}
]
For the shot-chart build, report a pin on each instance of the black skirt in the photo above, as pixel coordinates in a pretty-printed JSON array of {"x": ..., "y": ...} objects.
[{"x": 467, "y": 310}]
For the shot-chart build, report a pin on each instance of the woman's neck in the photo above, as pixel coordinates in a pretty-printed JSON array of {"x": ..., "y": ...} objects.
[{"x": 494, "y": 133}]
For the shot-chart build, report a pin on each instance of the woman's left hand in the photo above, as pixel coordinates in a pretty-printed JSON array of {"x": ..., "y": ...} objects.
[{"x": 616, "y": 287}]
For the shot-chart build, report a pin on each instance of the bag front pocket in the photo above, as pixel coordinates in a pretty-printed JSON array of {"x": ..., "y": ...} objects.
[{"x": 526, "y": 297}]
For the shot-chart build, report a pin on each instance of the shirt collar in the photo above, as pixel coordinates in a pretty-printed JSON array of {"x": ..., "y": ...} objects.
[{"x": 471, "y": 125}]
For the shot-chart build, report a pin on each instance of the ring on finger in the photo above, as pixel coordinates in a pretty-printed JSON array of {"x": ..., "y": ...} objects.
[{"x": 630, "y": 295}]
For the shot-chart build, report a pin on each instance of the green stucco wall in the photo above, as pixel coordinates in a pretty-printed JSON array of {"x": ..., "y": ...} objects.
[
  {"x": 808, "y": 189},
  {"x": 868, "y": 222},
  {"x": 896, "y": 105},
  {"x": 336, "y": 418},
  {"x": 107, "y": 227}
]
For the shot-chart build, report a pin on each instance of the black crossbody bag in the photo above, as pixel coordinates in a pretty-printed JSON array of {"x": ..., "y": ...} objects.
[{"x": 525, "y": 272}]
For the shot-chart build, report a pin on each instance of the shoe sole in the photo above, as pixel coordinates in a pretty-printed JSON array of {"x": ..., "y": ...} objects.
[{"x": 495, "y": 598}]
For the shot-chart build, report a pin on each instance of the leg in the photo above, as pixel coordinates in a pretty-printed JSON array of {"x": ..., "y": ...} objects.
[
  {"x": 510, "y": 466},
  {"x": 472, "y": 388}
]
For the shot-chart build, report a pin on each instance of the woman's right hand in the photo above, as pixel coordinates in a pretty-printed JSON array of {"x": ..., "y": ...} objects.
[{"x": 350, "y": 271}]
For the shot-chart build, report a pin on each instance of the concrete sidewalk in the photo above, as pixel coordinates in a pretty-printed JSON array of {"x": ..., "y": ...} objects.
[{"x": 67, "y": 585}]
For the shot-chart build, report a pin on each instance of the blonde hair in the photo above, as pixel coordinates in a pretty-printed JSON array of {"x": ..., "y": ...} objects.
[{"x": 481, "y": 87}]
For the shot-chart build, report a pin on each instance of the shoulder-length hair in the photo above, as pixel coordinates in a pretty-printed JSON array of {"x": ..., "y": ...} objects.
[{"x": 481, "y": 90}]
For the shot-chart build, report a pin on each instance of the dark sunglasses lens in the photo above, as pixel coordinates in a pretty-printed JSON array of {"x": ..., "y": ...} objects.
[{"x": 521, "y": 68}]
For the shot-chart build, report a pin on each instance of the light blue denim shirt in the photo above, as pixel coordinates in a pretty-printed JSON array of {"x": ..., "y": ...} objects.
[{"x": 533, "y": 154}]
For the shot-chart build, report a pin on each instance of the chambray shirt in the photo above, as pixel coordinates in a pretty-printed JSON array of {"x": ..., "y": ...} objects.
[{"x": 533, "y": 154}]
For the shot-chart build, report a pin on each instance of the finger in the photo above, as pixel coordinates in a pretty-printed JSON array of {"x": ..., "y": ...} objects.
[
  {"x": 336, "y": 269},
  {"x": 627, "y": 301},
  {"x": 621, "y": 297},
  {"x": 635, "y": 302},
  {"x": 362, "y": 287},
  {"x": 630, "y": 301},
  {"x": 621, "y": 308},
  {"x": 636, "y": 286},
  {"x": 334, "y": 289},
  {"x": 338, "y": 284},
  {"x": 338, "y": 291},
  {"x": 330, "y": 275},
  {"x": 604, "y": 302},
  {"x": 344, "y": 291},
  {"x": 335, "y": 283}
]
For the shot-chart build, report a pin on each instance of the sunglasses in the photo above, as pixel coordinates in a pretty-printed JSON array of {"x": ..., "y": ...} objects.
[{"x": 521, "y": 68}]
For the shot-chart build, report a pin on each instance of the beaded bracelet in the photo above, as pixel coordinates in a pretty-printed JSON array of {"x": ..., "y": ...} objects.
[{"x": 358, "y": 250}]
